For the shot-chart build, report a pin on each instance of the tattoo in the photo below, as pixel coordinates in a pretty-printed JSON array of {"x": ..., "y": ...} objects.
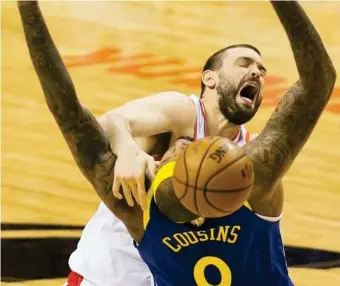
[
  {"x": 90, "y": 149},
  {"x": 313, "y": 63},
  {"x": 291, "y": 124},
  {"x": 56, "y": 83},
  {"x": 80, "y": 129},
  {"x": 83, "y": 134}
]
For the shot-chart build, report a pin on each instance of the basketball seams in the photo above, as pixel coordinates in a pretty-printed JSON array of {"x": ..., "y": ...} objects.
[
  {"x": 199, "y": 170},
  {"x": 222, "y": 169},
  {"x": 217, "y": 208},
  {"x": 213, "y": 206},
  {"x": 213, "y": 190},
  {"x": 205, "y": 190}
]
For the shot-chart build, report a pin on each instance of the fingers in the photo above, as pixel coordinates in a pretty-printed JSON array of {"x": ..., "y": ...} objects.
[
  {"x": 128, "y": 186},
  {"x": 141, "y": 191},
  {"x": 134, "y": 190},
  {"x": 132, "y": 179},
  {"x": 127, "y": 193},
  {"x": 140, "y": 179},
  {"x": 115, "y": 188}
]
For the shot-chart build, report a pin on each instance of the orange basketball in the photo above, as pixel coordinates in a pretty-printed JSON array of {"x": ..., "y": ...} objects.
[{"x": 213, "y": 177}]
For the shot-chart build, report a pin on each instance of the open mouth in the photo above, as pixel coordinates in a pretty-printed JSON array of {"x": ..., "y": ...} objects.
[{"x": 249, "y": 92}]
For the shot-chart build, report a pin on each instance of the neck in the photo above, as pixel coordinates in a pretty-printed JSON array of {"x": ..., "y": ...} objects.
[{"x": 216, "y": 123}]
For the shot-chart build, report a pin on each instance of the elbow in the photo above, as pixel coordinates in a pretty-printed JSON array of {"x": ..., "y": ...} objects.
[
  {"x": 330, "y": 82},
  {"x": 329, "y": 78},
  {"x": 322, "y": 82},
  {"x": 333, "y": 75}
]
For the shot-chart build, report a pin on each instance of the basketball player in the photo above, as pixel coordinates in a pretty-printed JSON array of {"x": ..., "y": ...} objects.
[
  {"x": 272, "y": 152},
  {"x": 105, "y": 238}
]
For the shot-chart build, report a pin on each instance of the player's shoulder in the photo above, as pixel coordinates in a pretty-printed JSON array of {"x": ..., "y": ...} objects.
[
  {"x": 176, "y": 105},
  {"x": 167, "y": 101},
  {"x": 174, "y": 97}
]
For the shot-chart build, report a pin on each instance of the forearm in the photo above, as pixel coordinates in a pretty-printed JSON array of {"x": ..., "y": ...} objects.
[
  {"x": 53, "y": 76},
  {"x": 80, "y": 129},
  {"x": 294, "y": 119},
  {"x": 313, "y": 63},
  {"x": 118, "y": 130}
]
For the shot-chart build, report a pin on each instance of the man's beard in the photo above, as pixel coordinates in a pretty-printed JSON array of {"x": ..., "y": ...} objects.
[{"x": 228, "y": 106}]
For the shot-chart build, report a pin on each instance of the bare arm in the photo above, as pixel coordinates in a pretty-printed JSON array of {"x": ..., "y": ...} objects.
[
  {"x": 291, "y": 124},
  {"x": 81, "y": 131},
  {"x": 160, "y": 113},
  {"x": 167, "y": 113}
]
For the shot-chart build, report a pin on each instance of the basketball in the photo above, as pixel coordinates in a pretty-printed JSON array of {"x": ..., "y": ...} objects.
[{"x": 213, "y": 177}]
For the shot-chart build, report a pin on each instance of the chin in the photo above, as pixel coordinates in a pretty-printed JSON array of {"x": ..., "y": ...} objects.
[
  {"x": 236, "y": 111},
  {"x": 241, "y": 121},
  {"x": 238, "y": 116}
]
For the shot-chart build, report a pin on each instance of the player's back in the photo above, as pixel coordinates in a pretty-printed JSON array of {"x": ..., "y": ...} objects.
[{"x": 239, "y": 250}]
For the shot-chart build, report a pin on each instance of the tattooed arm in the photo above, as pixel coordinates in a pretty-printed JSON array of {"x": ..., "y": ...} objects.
[
  {"x": 82, "y": 132},
  {"x": 291, "y": 124}
]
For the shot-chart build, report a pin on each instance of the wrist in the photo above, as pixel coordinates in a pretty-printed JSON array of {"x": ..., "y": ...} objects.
[{"x": 126, "y": 146}]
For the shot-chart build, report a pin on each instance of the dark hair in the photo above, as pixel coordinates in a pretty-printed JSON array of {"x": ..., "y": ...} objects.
[{"x": 215, "y": 61}]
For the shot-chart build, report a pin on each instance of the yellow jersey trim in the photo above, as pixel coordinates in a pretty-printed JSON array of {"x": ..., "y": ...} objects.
[
  {"x": 165, "y": 172},
  {"x": 247, "y": 205}
]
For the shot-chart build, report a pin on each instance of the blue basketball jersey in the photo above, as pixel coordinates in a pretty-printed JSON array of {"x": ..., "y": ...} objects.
[{"x": 241, "y": 249}]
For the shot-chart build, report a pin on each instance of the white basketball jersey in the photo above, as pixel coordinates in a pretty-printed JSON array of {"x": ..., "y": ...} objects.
[
  {"x": 105, "y": 255},
  {"x": 242, "y": 137}
]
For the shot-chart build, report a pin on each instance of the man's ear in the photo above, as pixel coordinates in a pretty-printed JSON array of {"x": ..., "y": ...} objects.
[{"x": 210, "y": 79}]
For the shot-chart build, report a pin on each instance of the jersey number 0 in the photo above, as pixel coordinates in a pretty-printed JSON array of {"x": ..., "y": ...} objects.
[{"x": 219, "y": 264}]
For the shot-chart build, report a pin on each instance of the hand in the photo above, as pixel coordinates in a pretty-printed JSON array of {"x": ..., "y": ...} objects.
[{"x": 130, "y": 169}]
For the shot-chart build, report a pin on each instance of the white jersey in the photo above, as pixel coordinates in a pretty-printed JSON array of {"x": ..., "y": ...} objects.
[
  {"x": 105, "y": 255},
  {"x": 240, "y": 139}
]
